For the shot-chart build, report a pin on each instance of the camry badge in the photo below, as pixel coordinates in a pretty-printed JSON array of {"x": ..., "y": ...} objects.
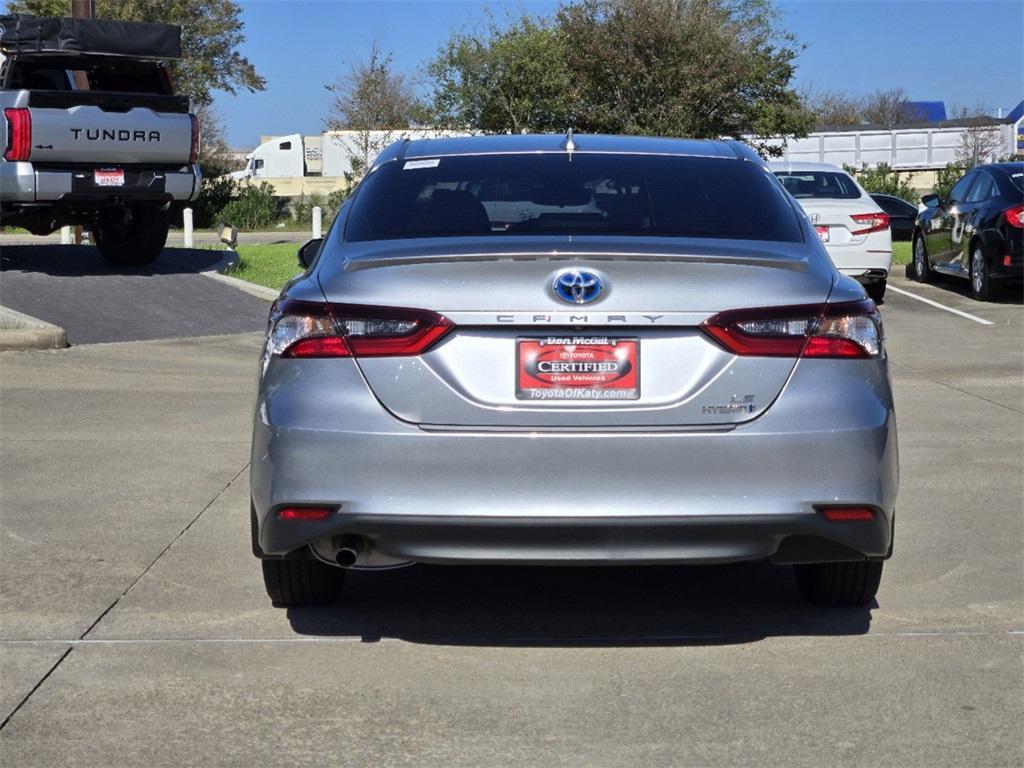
[{"x": 577, "y": 287}]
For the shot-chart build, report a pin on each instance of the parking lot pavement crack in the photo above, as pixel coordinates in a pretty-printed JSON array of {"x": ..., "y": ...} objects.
[
  {"x": 36, "y": 687},
  {"x": 955, "y": 388},
  {"x": 113, "y": 604},
  {"x": 163, "y": 552}
]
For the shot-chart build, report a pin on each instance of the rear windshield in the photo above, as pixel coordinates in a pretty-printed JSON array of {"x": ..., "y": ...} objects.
[
  {"x": 824, "y": 184},
  {"x": 577, "y": 194},
  {"x": 103, "y": 73},
  {"x": 1017, "y": 177}
]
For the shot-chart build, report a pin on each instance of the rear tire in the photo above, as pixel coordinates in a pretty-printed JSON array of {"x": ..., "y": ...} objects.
[
  {"x": 983, "y": 288},
  {"x": 922, "y": 270},
  {"x": 876, "y": 290},
  {"x": 839, "y": 584},
  {"x": 294, "y": 582},
  {"x": 135, "y": 242}
]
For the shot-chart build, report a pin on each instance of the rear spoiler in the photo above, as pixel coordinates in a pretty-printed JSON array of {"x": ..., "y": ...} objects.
[{"x": 23, "y": 34}]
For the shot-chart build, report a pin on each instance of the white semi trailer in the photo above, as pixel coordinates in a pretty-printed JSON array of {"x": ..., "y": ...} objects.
[{"x": 329, "y": 154}]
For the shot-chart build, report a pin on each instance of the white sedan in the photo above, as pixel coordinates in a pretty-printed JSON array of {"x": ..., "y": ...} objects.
[{"x": 854, "y": 229}]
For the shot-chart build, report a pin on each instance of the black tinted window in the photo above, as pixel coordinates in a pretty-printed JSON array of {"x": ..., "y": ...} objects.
[
  {"x": 895, "y": 207},
  {"x": 1017, "y": 179},
  {"x": 983, "y": 189},
  {"x": 959, "y": 190},
  {"x": 581, "y": 194},
  {"x": 824, "y": 184}
]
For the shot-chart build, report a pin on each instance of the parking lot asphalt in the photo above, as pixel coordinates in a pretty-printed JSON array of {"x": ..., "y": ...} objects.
[
  {"x": 134, "y": 629},
  {"x": 74, "y": 288}
]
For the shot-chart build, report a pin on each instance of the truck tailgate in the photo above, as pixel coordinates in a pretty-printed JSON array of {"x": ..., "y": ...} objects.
[{"x": 118, "y": 129}]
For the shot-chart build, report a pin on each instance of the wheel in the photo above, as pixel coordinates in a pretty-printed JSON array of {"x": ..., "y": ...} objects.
[
  {"x": 983, "y": 288},
  {"x": 132, "y": 238},
  {"x": 839, "y": 584},
  {"x": 922, "y": 271},
  {"x": 298, "y": 582},
  {"x": 876, "y": 290}
]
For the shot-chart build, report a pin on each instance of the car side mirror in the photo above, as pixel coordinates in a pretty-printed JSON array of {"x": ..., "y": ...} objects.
[
  {"x": 307, "y": 253},
  {"x": 931, "y": 201}
]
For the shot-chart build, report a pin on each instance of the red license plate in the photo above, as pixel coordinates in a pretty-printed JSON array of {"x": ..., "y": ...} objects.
[
  {"x": 822, "y": 232},
  {"x": 577, "y": 368},
  {"x": 108, "y": 177}
]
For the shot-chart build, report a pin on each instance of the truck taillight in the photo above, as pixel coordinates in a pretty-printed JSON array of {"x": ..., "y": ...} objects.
[
  {"x": 849, "y": 329},
  {"x": 872, "y": 222},
  {"x": 194, "y": 153},
  {"x": 19, "y": 134},
  {"x": 314, "y": 329},
  {"x": 1015, "y": 216}
]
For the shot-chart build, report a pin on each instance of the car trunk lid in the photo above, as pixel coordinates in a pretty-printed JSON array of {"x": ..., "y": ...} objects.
[{"x": 499, "y": 296}]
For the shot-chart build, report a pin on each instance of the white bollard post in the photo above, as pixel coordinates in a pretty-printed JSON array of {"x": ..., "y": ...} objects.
[
  {"x": 318, "y": 228},
  {"x": 186, "y": 217},
  {"x": 65, "y": 235}
]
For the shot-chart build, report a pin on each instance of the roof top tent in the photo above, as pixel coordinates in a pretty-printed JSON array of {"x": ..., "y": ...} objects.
[
  {"x": 61, "y": 63},
  {"x": 22, "y": 34}
]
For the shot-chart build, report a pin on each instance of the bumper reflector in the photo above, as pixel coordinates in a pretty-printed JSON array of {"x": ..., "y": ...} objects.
[
  {"x": 304, "y": 513},
  {"x": 848, "y": 514}
]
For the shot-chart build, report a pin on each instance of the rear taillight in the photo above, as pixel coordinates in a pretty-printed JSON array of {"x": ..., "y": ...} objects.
[
  {"x": 312, "y": 329},
  {"x": 304, "y": 513},
  {"x": 1015, "y": 216},
  {"x": 872, "y": 222},
  {"x": 19, "y": 134},
  {"x": 849, "y": 330},
  {"x": 193, "y": 155},
  {"x": 848, "y": 514}
]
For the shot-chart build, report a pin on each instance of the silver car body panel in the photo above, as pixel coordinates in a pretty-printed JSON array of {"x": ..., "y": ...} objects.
[{"x": 432, "y": 458}]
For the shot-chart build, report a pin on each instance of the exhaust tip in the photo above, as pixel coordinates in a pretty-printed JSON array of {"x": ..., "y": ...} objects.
[
  {"x": 349, "y": 549},
  {"x": 346, "y": 558}
]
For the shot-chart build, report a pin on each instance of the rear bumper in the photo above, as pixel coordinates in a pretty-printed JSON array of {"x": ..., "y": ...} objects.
[
  {"x": 866, "y": 260},
  {"x": 581, "y": 497},
  {"x": 23, "y": 183},
  {"x": 446, "y": 539},
  {"x": 1012, "y": 251}
]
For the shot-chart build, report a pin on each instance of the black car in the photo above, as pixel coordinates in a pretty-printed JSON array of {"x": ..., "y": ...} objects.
[
  {"x": 902, "y": 215},
  {"x": 977, "y": 232}
]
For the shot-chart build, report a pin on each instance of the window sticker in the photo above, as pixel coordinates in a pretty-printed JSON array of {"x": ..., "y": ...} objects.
[{"x": 413, "y": 164}]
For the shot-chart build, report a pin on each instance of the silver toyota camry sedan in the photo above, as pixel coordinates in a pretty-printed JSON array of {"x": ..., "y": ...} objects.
[{"x": 600, "y": 350}]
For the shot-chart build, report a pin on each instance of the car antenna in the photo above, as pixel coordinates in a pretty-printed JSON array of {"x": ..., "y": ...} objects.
[{"x": 569, "y": 145}]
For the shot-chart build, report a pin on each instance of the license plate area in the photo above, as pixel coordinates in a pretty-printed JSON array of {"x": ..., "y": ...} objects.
[
  {"x": 823, "y": 232},
  {"x": 108, "y": 177},
  {"x": 577, "y": 367}
]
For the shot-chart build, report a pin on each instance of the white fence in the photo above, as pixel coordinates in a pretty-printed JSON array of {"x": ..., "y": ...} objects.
[{"x": 904, "y": 148}]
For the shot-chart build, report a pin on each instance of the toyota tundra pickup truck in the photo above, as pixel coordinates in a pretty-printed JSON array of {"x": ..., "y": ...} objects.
[{"x": 93, "y": 133}]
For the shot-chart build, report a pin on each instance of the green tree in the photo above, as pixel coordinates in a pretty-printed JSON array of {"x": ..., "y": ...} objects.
[
  {"x": 211, "y": 31},
  {"x": 701, "y": 68},
  {"x": 512, "y": 78},
  {"x": 375, "y": 103},
  {"x": 885, "y": 181}
]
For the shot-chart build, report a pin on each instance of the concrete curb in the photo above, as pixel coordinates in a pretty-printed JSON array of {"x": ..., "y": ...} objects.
[
  {"x": 20, "y": 332},
  {"x": 229, "y": 262}
]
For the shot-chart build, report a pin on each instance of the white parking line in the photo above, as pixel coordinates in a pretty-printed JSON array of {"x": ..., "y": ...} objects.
[{"x": 969, "y": 316}]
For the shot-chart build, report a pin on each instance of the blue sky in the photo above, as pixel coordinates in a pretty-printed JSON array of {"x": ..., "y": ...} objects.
[{"x": 960, "y": 51}]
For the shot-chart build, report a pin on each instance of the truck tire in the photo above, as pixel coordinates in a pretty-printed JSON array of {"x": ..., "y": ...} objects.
[{"x": 135, "y": 242}]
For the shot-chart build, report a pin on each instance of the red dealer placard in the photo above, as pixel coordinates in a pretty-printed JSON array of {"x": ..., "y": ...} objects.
[{"x": 577, "y": 368}]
